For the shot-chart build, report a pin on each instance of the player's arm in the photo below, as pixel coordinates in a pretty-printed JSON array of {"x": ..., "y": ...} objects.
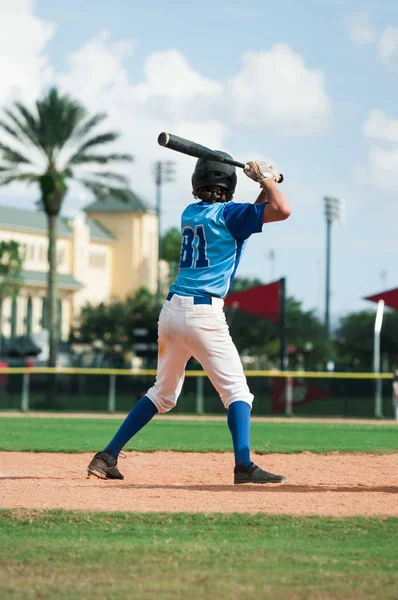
[
  {"x": 395, "y": 389},
  {"x": 277, "y": 207}
]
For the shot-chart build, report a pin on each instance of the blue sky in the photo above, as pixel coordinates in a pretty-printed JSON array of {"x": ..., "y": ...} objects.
[{"x": 311, "y": 86}]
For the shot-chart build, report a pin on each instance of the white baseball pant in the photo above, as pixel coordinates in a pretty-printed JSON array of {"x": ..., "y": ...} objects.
[{"x": 199, "y": 330}]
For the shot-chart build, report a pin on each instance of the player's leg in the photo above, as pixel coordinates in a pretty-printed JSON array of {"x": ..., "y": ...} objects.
[
  {"x": 213, "y": 347},
  {"x": 172, "y": 358}
]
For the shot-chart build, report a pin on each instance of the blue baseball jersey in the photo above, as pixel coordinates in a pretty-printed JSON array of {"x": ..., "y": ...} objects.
[{"x": 214, "y": 236}]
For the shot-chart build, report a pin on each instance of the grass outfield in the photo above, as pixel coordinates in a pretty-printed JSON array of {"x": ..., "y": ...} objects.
[
  {"x": 88, "y": 435},
  {"x": 69, "y": 555}
]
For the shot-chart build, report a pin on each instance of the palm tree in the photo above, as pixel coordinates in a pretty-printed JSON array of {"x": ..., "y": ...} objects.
[{"x": 47, "y": 147}]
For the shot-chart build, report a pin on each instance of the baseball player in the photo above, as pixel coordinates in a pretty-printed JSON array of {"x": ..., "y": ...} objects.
[{"x": 192, "y": 322}]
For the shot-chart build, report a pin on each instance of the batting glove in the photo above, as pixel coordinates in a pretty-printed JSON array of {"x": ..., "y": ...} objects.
[{"x": 258, "y": 170}]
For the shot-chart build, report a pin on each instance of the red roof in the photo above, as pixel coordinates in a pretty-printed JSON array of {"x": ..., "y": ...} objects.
[
  {"x": 390, "y": 297},
  {"x": 263, "y": 301}
]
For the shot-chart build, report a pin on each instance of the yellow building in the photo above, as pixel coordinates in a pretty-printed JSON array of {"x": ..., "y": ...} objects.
[{"x": 106, "y": 252}]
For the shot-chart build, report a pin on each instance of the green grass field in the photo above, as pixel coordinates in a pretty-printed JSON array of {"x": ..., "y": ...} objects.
[
  {"x": 88, "y": 435},
  {"x": 69, "y": 555}
]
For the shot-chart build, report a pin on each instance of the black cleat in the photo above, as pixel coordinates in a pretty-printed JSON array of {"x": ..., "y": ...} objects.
[
  {"x": 254, "y": 474},
  {"x": 104, "y": 467}
]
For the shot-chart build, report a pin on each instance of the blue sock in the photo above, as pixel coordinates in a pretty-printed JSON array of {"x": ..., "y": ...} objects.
[
  {"x": 239, "y": 426},
  {"x": 139, "y": 416}
]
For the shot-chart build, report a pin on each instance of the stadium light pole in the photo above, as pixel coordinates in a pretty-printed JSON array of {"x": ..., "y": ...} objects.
[
  {"x": 164, "y": 173},
  {"x": 333, "y": 213}
]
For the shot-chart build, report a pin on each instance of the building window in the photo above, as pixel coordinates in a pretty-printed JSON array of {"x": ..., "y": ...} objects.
[
  {"x": 60, "y": 256},
  {"x": 42, "y": 253},
  {"x": 30, "y": 252},
  {"x": 96, "y": 260}
]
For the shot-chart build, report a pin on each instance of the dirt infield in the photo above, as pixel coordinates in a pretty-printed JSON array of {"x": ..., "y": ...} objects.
[{"x": 333, "y": 484}]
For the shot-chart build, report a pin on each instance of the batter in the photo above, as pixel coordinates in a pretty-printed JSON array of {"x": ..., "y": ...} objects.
[{"x": 215, "y": 231}]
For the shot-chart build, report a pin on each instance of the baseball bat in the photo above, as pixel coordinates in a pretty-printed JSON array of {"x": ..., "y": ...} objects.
[{"x": 173, "y": 142}]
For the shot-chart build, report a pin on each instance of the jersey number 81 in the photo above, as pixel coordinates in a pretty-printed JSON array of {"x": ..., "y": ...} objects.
[{"x": 193, "y": 248}]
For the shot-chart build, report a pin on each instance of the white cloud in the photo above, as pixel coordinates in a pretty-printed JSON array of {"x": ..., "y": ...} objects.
[
  {"x": 24, "y": 67},
  {"x": 381, "y": 168},
  {"x": 388, "y": 46},
  {"x": 360, "y": 29},
  {"x": 275, "y": 89},
  {"x": 97, "y": 67},
  {"x": 16, "y": 6},
  {"x": 386, "y": 42},
  {"x": 169, "y": 74},
  {"x": 380, "y": 127}
]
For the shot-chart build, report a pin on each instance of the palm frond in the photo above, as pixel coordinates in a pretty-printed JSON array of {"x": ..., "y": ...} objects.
[
  {"x": 8, "y": 129},
  {"x": 110, "y": 175},
  {"x": 29, "y": 128},
  {"x": 59, "y": 116},
  {"x": 30, "y": 119},
  {"x": 99, "y": 159},
  {"x": 8, "y": 177},
  {"x": 103, "y": 138},
  {"x": 86, "y": 127},
  {"x": 11, "y": 155},
  {"x": 102, "y": 192}
]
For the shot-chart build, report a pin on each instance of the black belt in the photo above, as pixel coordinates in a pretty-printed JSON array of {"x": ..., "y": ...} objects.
[{"x": 196, "y": 299}]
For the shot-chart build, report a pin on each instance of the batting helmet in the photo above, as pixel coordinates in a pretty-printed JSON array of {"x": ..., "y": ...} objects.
[{"x": 210, "y": 172}]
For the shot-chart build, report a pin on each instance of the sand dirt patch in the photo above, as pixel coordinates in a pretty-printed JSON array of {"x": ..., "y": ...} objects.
[{"x": 332, "y": 484}]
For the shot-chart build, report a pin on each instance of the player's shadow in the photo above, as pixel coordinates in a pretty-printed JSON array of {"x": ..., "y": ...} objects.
[
  {"x": 270, "y": 488},
  {"x": 285, "y": 488}
]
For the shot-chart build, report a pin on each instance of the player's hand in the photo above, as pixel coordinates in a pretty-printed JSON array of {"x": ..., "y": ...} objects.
[{"x": 258, "y": 170}]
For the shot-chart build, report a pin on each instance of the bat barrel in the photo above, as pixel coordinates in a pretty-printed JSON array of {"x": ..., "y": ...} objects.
[{"x": 163, "y": 139}]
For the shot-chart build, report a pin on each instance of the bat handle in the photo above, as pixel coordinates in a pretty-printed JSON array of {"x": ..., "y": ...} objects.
[{"x": 235, "y": 163}]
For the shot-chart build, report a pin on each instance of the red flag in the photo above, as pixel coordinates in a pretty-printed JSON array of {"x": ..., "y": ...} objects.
[
  {"x": 303, "y": 392},
  {"x": 263, "y": 301},
  {"x": 390, "y": 297}
]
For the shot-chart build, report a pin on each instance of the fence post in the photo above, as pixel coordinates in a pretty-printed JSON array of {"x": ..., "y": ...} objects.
[
  {"x": 199, "y": 400},
  {"x": 289, "y": 397},
  {"x": 25, "y": 392},
  {"x": 112, "y": 394}
]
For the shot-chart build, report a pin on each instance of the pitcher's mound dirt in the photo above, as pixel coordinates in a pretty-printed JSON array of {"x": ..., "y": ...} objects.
[{"x": 333, "y": 484}]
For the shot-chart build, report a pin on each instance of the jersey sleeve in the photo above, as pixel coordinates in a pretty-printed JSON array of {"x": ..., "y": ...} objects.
[{"x": 244, "y": 219}]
